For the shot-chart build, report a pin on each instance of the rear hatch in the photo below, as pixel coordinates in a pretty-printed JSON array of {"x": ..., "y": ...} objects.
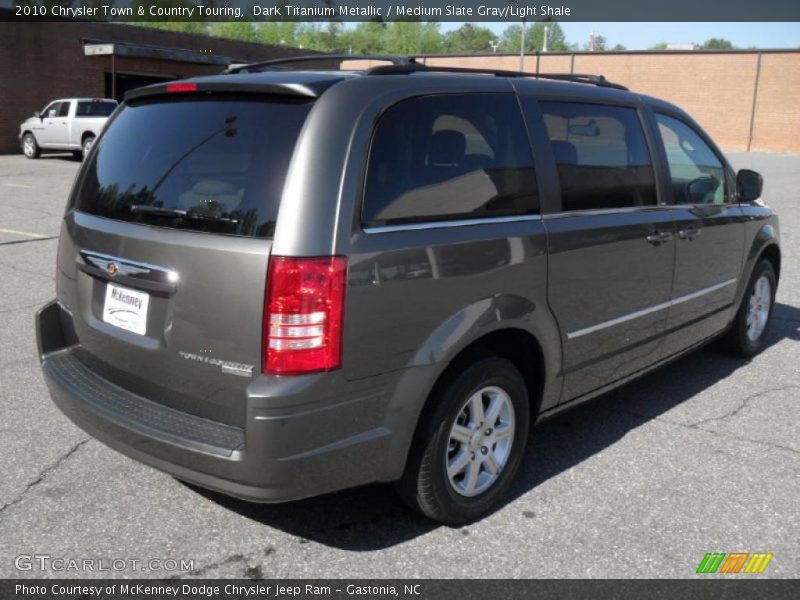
[{"x": 164, "y": 252}]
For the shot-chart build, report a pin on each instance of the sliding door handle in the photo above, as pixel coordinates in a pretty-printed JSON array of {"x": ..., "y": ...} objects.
[
  {"x": 660, "y": 237},
  {"x": 689, "y": 233}
]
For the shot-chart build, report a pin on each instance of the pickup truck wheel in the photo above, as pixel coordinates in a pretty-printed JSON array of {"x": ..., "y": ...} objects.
[
  {"x": 88, "y": 142},
  {"x": 29, "y": 146},
  {"x": 750, "y": 329},
  {"x": 468, "y": 449}
]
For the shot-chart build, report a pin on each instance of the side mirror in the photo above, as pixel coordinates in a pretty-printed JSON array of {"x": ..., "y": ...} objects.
[
  {"x": 748, "y": 185},
  {"x": 37, "y": 115}
]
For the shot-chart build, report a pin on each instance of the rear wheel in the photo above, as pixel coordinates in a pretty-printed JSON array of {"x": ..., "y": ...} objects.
[
  {"x": 29, "y": 146},
  {"x": 750, "y": 329},
  {"x": 469, "y": 447},
  {"x": 88, "y": 142}
]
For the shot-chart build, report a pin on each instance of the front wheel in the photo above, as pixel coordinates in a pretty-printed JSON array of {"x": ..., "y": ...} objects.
[
  {"x": 469, "y": 447},
  {"x": 29, "y": 146},
  {"x": 750, "y": 329}
]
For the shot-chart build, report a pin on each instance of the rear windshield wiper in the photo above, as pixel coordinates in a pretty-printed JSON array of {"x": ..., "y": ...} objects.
[{"x": 177, "y": 213}]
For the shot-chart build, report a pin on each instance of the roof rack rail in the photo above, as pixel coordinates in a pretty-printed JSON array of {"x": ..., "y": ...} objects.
[
  {"x": 408, "y": 64},
  {"x": 415, "y": 67},
  {"x": 276, "y": 64}
]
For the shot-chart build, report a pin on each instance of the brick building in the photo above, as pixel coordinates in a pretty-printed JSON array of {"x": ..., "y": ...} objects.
[
  {"x": 40, "y": 62},
  {"x": 746, "y": 99}
]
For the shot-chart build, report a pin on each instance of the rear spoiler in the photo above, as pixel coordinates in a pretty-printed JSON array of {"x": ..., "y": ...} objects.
[{"x": 231, "y": 85}]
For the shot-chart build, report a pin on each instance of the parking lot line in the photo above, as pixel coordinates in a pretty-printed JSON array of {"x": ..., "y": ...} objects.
[{"x": 14, "y": 231}]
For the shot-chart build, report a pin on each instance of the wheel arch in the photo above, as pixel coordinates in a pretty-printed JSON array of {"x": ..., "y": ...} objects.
[
  {"x": 519, "y": 345},
  {"x": 772, "y": 253}
]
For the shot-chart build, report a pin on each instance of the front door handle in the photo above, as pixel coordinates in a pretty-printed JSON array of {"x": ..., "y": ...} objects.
[
  {"x": 689, "y": 233},
  {"x": 659, "y": 237}
]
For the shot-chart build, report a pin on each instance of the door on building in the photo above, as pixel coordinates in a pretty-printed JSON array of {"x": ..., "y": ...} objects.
[{"x": 119, "y": 83}]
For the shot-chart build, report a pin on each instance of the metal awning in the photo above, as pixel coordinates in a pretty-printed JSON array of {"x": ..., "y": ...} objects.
[{"x": 93, "y": 47}]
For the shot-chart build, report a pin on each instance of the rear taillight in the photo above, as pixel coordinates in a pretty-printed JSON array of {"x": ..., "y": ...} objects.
[{"x": 303, "y": 314}]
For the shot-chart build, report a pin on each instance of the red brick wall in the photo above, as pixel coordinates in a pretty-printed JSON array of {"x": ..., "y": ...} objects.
[
  {"x": 716, "y": 88},
  {"x": 40, "y": 62}
]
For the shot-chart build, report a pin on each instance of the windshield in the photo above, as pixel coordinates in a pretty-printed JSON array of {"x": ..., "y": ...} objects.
[{"x": 215, "y": 164}]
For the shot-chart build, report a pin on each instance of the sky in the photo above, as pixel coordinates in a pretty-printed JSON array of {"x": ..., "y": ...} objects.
[{"x": 640, "y": 36}]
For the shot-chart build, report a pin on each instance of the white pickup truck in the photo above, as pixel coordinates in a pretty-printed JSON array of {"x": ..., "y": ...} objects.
[{"x": 68, "y": 124}]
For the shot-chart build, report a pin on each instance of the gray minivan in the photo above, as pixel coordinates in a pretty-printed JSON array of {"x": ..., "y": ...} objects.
[{"x": 278, "y": 283}]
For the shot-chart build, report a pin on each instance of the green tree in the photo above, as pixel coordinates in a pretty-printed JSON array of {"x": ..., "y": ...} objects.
[
  {"x": 618, "y": 48},
  {"x": 717, "y": 44},
  {"x": 597, "y": 44},
  {"x": 534, "y": 38},
  {"x": 413, "y": 37},
  {"x": 235, "y": 30},
  {"x": 368, "y": 37},
  {"x": 658, "y": 46},
  {"x": 277, "y": 33},
  {"x": 469, "y": 38}
]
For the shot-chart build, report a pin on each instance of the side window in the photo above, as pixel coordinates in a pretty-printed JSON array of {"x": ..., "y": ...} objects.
[
  {"x": 601, "y": 155},
  {"x": 697, "y": 174},
  {"x": 52, "y": 110},
  {"x": 63, "y": 110},
  {"x": 449, "y": 157}
]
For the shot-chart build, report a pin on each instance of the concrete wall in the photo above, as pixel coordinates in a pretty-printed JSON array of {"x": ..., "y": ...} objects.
[
  {"x": 718, "y": 89},
  {"x": 40, "y": 62}
]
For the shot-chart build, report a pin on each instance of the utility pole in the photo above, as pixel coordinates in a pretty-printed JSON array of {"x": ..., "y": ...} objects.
[
  {"x": 544, "y": 42},
  {"x": 522, "y": 47},
  {"x": 591, "y": 41},
  {"x": 494, "y": 45}
]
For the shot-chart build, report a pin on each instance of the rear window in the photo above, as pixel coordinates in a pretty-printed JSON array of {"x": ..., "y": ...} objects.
[
  {"x": 207, "y": 164},
  {"x": 95, "y": 108}
]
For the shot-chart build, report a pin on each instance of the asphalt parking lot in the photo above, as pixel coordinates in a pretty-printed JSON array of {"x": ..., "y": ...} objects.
[{"x": 700, "y": 456}]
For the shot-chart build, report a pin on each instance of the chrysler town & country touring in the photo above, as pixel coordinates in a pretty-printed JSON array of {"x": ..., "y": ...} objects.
[{"x": 277, "y": 284}]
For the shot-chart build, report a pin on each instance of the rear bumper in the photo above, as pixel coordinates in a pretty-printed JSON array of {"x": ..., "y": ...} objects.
[{"x": 303, "y": 436}]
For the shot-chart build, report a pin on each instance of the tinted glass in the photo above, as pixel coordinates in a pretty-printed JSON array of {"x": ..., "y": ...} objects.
[
  {"x": 697, "y": 174},
  {"x": 449, "y": 157},
  {"x": 95, "y": 108},
  {"x": 63, "y": 110},
  {"x": 601, "y": 154},
  {"x": 222, "y": 161}
]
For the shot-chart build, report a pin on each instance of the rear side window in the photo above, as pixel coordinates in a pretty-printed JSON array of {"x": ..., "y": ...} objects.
[
  {"x": 449, "y": 157},
  {"x": 95, "y": 108},
  {"x": 215, "y": 164},
  {"x": 601, "y": 155}
]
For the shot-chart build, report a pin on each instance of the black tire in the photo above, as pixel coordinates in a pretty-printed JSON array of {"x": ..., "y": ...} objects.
[
  {"x": 29, "y": 146},
  {"x": 425, "y": 485},
  {"x": 737, "y": 341},
  {"x": 77, "y": 154},
  {"x": 86, "y": 145}
]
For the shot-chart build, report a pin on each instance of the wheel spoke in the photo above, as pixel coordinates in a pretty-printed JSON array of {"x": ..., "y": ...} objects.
[
  {"x": 457, "y": 464},
  {"x": 490, "y": 463},
  {"x": 496, "y": 403},
  {"x": 461, "y": 434},
  {"x": 471, "y": 481},
  {"x": 476, "y": 408},
  {"x": 502, "y": 432}
]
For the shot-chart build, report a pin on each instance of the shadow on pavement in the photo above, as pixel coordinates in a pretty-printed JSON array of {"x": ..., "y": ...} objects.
[{"x": 372, "y": 517}]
